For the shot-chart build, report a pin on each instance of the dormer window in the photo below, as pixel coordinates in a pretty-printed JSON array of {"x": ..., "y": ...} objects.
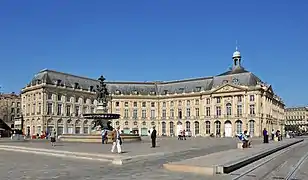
[
  {"x": 198, "y": 89},
  {"x": 38, "y": 81},
  {"x": 76, "y": 86},
  {"x": 181, "y": 90},
  {"x": 58, "y": 83},
  {"x": 117, "y": 92},
  {"x": 135, "y": 92},
  {"x": 225, "y": 81},
  {"x": 91, "y": 88},
  {"x": 165, "y": 92},
  {"x": 152, "y": 92}
]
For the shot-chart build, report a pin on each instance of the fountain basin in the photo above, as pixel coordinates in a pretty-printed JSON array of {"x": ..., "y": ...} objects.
[{"x": 97, "y": 138}]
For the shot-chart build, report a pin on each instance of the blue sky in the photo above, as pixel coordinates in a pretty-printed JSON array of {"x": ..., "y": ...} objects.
[{"x": 156, "y": 40}]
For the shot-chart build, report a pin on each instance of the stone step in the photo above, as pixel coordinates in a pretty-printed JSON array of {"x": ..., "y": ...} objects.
[{"x": 228, "y": 161}]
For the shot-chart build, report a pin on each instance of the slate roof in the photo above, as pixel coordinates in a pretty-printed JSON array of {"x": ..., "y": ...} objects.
[{"x": 238, "y": 75}]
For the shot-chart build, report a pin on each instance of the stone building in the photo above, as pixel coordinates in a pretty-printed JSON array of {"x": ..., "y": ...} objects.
[
  {"x": 225, "y": 104},
  {"x": 297, "y": 116},
  {"x": 10, "y": 108}
]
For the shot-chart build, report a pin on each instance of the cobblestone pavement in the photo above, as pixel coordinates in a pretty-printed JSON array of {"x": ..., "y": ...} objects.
[{"x": 20, "y": 166}]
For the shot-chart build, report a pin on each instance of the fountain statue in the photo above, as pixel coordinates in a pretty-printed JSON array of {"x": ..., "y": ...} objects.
[{"x": 101, "y": 119}]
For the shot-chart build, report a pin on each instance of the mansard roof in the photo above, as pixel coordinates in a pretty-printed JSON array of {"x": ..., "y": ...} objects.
[{"x": 238, "y": 76}]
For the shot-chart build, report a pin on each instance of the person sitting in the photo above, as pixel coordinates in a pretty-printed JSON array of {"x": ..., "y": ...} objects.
[{"x": 245, "y": 140}]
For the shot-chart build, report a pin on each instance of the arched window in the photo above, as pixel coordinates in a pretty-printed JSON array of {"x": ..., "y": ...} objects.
[
  {"x": 229, "y": 109},
  {"x": 207, "y": 127},
  {"x": 171, "y": 131},
  {"x": 163, "y": 128},
  {"x": 126, "y": 123},
  {"x": 251, "y": 128},
  {"x": 187, "y": 126},
  {"x": 238, "y": 124},
  {"x": 117, "y": 123},
  {"x": 197, "y": 131},
  {"x": 217, "y": 127}
]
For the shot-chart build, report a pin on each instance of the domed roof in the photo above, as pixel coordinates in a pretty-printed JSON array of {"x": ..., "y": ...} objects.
[{"x": 236, "y": 54}]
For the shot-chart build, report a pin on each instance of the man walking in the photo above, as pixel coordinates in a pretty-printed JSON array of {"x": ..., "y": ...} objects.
[
  {"x": 117, "y": 141},
  {"x": 153, "y": 137}
]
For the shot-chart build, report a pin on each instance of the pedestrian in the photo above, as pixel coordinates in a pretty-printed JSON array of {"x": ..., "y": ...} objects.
[
  {"x": 116, "y": 140},
  {"x": 273, "y": 134},
  {"x": 104, "y": 136},
  {"x": 153, "y": 137},
  {"x": 53, "y": 137},
  {"x": 265, "y": 136}
]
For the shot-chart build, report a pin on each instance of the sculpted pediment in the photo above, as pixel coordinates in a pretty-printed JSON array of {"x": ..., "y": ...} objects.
[{"x": 227, "y": 88}]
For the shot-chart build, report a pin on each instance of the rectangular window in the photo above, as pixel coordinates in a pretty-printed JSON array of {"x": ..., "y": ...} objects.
[
  {"x": 239, "y": 110},
  {"x": 126, "y": 113},
  {"x": 218, "y": 111},
  {"x": 208, "y": 111},
  {"x": 218, "y": 100},
  {"x": 117, "y": 104},
  {"x": 252, "y": 109},
  {"x": 135, "y": 104},
  {"x": 208, "y": 101},
  {"x": 68, "y": 110},
  {"x": 239, "y": 98},
  {"x": 171, "y": 113},
  {"x": 197, "y": 112},
  {"x": 59, "y": 97},
  {"x": 180, "y": 113},
  {"x": 135, "y": 113},
  {"x": 152, "y": 104},
  {"x": 126, "y": 104},
  {"x": 59, "y": 109},
  {"x": 152, "y": 114},
  {"x": 164, "y": 113},
  {"x": 49, "y": 108},
  {"x": 188, "y": 112},
  {"x": 197, "y": 102},
  {"x": 144, "y": 104},
  {"x": 76, "y": 110},
  {"x": 85, "y": 109},
  {"x": 49, "y": 96},
  {"x": 144, "y": 113},
  {"x": 252, "y": 98}
]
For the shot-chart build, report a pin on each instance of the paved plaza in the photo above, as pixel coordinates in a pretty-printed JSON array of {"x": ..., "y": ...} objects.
[
  {"x": 22, "y": 166},
  {"x": 15, "y": 165}
]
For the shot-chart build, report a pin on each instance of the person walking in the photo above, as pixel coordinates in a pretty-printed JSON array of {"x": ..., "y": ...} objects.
[
  {"x": 273, "y": 134},
  {"x": 153, "y": 137},
  {"x": 104, "y": 136},
  {"x": 265, "y": 136},
  {"x": 117, "y": 141},
  {"x": 53, "y": 136}
]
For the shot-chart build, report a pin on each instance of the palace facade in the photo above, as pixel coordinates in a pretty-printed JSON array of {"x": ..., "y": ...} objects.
[
  {"x": 297, "y": 116},
  {"x": 222, "y": 105},
  {"x": 10, "y": 108}
]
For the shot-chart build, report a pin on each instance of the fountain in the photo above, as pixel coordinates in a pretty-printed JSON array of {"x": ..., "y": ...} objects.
[{"x": 101, "y": 120}]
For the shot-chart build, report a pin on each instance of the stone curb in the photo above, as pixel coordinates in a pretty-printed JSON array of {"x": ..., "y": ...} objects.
[
  {"x": 228, "y": 168},
  {"x": 114, "y": 159},
  {"x": 56, "y": 154},
  {"x": 62, "y": 152}
]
